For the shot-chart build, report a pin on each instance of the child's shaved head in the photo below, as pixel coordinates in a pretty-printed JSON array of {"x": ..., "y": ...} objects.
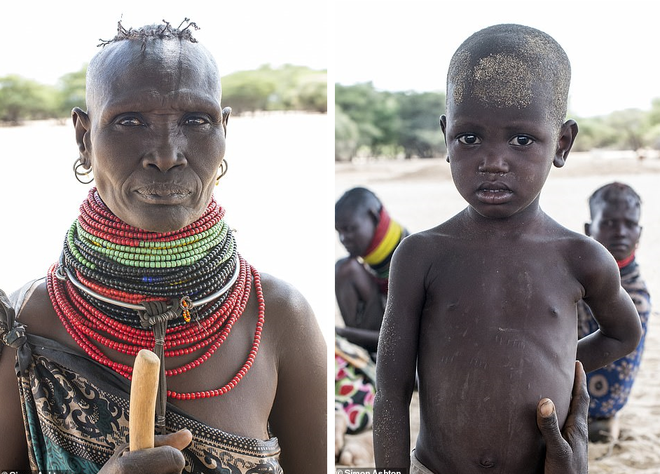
[
  {"x": 358, "y": 200},
  {"x": 614, "y": 193},
  {"x": 509, "y": 66}
]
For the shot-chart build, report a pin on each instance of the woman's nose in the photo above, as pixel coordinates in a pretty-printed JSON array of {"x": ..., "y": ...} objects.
[{"x": 166, "y": 151}]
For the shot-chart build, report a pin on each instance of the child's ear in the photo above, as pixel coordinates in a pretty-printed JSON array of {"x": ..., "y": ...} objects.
[
  {"x": 587, "y": 230},
  {"x": 443, "y": 126},
  {"x": 567, "y": 134}
]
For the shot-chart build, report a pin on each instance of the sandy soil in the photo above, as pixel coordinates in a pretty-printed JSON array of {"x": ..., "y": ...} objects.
[{"x": 420, "y": 194}]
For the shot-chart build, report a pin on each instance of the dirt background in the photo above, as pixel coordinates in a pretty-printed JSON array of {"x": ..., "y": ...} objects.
[{"x": 420, "y": 194}]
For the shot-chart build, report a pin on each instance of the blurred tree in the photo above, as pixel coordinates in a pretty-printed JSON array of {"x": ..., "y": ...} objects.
[
  {"x": 631, "y": 125},
  {"x": 286, "y": 88},
  {"x": 312, "y": 93},
  {"x": 654, "y": 114},
  {"x": 374, "y": 113},
  {"x": 419, "y": 131},
  {"x": 72, "y": 92},
  {"x": 594, "y": 132},
  {"x": 347, "y": 135},
  {"x": 248, "y": 91},
  {"x": 24, "y": 99}
]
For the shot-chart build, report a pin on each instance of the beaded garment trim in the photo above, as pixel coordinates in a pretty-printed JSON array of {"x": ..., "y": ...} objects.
[{"x": 114, "y": 284}]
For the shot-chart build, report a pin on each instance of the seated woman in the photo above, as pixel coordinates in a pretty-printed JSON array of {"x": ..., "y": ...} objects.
[{"x": 150, "y": 263}]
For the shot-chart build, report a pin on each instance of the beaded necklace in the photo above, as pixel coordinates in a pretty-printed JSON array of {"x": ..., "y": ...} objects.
[
  {"x": 123, "y": 288},
  {"x": 387, "y": 236}
]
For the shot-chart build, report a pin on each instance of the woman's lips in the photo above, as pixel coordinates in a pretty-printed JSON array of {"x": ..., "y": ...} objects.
[{"x": 163, "y": 194}]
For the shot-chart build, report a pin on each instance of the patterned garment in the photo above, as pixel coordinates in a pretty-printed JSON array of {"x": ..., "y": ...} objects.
[
  {"x": 355, "y": 386},
  {"x": 609, "y": 387},
  {"x": 76, "y": 415}
]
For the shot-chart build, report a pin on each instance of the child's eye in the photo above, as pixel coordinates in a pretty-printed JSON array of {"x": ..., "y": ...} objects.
[
  {"x": 469, "y": 139},
  {"x": 521, "y": 140}
]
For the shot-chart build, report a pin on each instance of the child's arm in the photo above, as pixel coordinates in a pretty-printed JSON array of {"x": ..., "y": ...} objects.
[
  {"x": 619, "y": 326},
  {"x": 397, "y": 356}
]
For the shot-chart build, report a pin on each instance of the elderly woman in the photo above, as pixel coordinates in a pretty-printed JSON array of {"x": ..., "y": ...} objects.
[{"x": 150, "y": 263}]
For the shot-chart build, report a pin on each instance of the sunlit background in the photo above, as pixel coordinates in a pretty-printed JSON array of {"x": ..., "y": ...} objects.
[{"x": 406, "y": 45}]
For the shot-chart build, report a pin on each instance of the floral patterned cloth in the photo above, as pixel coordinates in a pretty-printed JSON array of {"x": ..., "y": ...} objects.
[
  {"x": 610, "y": 386},
  {"x": 355, "y": 385}
]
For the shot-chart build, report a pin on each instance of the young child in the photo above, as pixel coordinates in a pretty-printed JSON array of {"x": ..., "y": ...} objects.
[
  {"x": 484, "y": 305},
  {"x": 615, "y": 212},
  {"x": 370, "y": 237}
]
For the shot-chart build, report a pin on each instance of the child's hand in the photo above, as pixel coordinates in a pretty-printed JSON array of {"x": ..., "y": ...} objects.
[
  {"x": 566, "y": 452},
  {"x": 165, "y": 457}
]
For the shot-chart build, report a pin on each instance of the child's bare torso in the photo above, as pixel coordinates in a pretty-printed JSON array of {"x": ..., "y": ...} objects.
[{"x": 497, "y": 334}]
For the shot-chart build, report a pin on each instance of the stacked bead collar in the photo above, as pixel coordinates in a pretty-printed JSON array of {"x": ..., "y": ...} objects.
[{"x": 114, "y": 284}]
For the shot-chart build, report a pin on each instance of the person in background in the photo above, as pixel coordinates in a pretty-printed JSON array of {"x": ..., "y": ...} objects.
[
  {"x": 370, "y": 235},
  {"x": 615, "y": 211}
]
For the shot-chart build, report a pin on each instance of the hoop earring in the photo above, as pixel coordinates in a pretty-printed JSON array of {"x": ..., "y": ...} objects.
[
  {"x": 77, "y": 165},
  {"x": 224, "y": 166}
]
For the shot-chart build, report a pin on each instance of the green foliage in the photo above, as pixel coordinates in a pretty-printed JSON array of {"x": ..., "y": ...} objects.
[
  {"x": 406, "y": 124},
  {"x": 391, "y": 123},
  {"x": 629, "y": 129},
  {"x": 72, "y": 91},
  {"x": 24, "y": 99},
  {"x": 285, "y": 88},
  {"x": 372, "y": 112},
  {"x": 347, "y": 135},
  {"x": 419, "y": 132}
]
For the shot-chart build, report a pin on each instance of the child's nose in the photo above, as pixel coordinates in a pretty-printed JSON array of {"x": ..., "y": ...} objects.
[
  {"x": 620, "y": 229},
  {"x": 494, "y": 162}
]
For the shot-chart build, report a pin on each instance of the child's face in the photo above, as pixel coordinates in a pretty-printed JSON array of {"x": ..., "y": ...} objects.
[
  {"x": 616, "y": 226},
  {"x": 156, "y": 138},
  {"x": 356, "y": 230},
  {"x": 500, "y": 157}
]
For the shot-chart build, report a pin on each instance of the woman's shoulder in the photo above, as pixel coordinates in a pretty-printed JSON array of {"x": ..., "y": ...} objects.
[{"x": 283, "y": 300}]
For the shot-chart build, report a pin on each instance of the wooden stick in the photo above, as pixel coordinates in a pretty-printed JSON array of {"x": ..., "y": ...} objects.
[{"x": 144, "y": 389}]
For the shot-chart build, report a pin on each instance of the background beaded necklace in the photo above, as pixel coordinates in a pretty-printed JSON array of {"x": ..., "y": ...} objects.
[{"x": 127, "y": 289}]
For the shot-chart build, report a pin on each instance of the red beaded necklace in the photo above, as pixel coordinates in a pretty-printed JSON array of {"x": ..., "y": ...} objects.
[{"x": 80, "y": 299}]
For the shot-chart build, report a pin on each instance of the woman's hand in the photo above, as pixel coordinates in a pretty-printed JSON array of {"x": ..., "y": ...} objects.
[
  {"x": 164, "y": 458},
  {"x": 566, "y": 451}
]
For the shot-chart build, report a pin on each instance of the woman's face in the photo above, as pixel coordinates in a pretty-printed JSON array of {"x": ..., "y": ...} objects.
[{"x": 154, "y": 133}]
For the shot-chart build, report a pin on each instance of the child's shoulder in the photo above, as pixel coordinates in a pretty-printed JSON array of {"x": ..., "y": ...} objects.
[
  {"x": 584, "y": 254},
  {"x": 573, "y": 241},
  {"x": 436, "y": 235}
]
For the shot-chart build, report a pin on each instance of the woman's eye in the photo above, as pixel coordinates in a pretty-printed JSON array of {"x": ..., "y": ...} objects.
[
  {"x": 521, "y": 140},
  {"x": 195, "y": 121},
  {"x": 469, "y": 139},
  {"x": 130, "y": 122}
]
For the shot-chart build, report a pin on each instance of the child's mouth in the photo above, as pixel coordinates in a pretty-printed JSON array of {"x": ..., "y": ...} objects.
[{"x": 494, "y": 193}]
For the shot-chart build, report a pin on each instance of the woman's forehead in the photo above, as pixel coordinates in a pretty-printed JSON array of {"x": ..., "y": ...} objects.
[{"x": 162, "y": 69}]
